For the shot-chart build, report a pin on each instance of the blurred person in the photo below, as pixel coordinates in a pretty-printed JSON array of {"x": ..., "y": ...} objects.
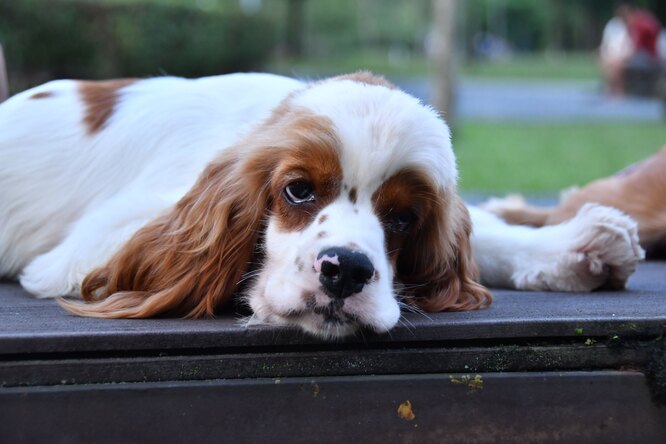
[
  {"x": 641, "y": 72},
  {"x": 615, "y": 50},
  {"x": 643, "y": 27},
  {"x": 630, "y": 46},
  {"x": 661, "y": 46}
]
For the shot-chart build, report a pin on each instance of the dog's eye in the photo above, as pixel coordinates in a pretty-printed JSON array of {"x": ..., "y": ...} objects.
[
  {"x": 400, "y": 223},
  {"x": 299, "y": 192}
]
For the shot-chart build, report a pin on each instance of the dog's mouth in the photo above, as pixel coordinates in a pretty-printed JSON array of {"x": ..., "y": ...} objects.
[
  {"x": 318, "y": 314},
  {"x": 325, "y": 319},
  {"x": 332, "y": 313}
]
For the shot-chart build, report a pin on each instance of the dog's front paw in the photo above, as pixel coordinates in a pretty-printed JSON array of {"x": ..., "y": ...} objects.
[
  {"x": 607, "y": 239},
  {"x": 597, "y": 249},
  {"x": 48, "y": 277}
]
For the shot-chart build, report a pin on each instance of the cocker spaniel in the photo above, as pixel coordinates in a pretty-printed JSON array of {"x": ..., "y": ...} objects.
[
  {"x": 325, "y": 205},
  {"x": 638, "y": 190}
]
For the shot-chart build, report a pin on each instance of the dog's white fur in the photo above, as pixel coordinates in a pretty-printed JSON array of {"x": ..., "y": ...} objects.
[{"x": 70, "y": 199}]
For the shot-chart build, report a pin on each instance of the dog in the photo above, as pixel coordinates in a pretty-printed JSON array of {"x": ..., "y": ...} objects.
[
  {"x": 638, "y": 191},
  {"x": 327, "y": 205}
]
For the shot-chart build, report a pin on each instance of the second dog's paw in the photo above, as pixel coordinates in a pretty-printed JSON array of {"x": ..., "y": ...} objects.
[
  {"x": 501, "y": 205},
  {"x": 596, "y": 249}
]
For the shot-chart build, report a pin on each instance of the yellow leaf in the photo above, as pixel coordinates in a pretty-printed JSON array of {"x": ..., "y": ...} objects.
[{"x": 405, "y": 411}]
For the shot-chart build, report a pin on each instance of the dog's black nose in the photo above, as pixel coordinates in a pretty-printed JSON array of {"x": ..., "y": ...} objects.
[{"x": 343, "y": 272}]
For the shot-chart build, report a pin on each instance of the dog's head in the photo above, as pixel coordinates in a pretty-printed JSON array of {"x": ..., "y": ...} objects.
[{"x": 330, "y": 214}]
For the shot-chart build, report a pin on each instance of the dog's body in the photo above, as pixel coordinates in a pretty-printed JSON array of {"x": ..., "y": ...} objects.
[
  {"x": 154, "y": 196},
  {"x": 639, "y": 191}
]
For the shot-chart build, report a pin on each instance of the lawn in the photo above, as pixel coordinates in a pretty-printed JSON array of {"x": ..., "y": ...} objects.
[
  {"x": 380, "y": 62},
  {"x": 541, "y": 158},
  {"x": 540, "y": 66}
]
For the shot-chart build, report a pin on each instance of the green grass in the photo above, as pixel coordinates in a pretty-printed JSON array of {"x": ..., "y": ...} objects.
[
  {"x": 540, "y": 66},
  {"x": 375, "y": 61},
  {"x": 538, "y": 158},
  {"x": 527, "y": 67}
]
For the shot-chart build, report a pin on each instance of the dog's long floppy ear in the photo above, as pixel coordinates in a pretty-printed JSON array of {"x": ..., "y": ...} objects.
[
  {"x": 436, "y": 265},
  {"x": 189, "y": 261}
]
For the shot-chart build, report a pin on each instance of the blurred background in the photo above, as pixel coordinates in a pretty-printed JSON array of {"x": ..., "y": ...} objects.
[{"x": 535, "y": 100}]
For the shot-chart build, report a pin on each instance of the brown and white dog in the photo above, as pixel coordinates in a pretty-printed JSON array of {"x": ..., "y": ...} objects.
[
  {"x": 327, "y": 206},
  {"x": 639, "y": 191}
]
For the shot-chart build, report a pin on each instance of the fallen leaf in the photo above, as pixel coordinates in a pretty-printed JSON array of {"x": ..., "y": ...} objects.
[{"x": 405, "y": 411}]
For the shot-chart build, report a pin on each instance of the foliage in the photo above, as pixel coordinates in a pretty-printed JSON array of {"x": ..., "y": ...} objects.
[
  {"x": 78, "y": 39},
  {"x": 183, "y": 41},
  {"x": 37, "y": 38},
  {"x": 529, "y": 25}
]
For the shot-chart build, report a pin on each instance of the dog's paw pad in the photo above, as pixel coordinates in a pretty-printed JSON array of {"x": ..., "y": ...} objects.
[{"x": 605, "y": 242}]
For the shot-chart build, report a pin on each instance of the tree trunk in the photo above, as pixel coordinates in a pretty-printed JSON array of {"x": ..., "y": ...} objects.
[
  {"x": 444, "y": 12},
  {"x": 4, "y": 86}
]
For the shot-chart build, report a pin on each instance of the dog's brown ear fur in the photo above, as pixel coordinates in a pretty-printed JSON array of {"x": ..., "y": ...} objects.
[
  {"x": 189, "y": 261},
  {"x": 437, "y": 262}
]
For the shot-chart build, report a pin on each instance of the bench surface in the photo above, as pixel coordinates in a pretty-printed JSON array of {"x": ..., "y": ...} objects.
[
  {"x": 29, "y": 325},
  {"x": 534, "y": 367}
]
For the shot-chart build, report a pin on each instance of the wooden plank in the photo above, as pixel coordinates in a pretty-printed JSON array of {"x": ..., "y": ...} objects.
[
  {"x": 28, "y": 325},
  {"x": 305, "y": 363},
  {"x": 581, "y": 407}
]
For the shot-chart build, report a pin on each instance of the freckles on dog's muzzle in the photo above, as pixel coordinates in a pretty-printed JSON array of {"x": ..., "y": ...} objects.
[{"x": 343, "y": 272}]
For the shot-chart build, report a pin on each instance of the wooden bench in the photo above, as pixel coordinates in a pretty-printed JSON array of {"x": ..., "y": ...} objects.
[{"x": 533, "y": 367}]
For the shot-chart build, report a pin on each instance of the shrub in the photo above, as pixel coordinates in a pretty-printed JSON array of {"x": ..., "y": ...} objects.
[{"x": 45, "y": 40}]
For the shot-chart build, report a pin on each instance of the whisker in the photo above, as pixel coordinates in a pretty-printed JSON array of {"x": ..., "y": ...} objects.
[
  {"x": 414, "y": 309},
  {"x": 412, "y": 286},
  {"x": 388, "y": 331},
  {"x": 247, "y": 321},
  {"x": 407, "y": 324},
  {"x": 249, "y": 275}
]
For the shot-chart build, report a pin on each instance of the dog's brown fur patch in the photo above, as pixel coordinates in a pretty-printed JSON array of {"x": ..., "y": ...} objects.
[
  {"x": 42, "y": 95},
  {"x": 100, "y": 99}
]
